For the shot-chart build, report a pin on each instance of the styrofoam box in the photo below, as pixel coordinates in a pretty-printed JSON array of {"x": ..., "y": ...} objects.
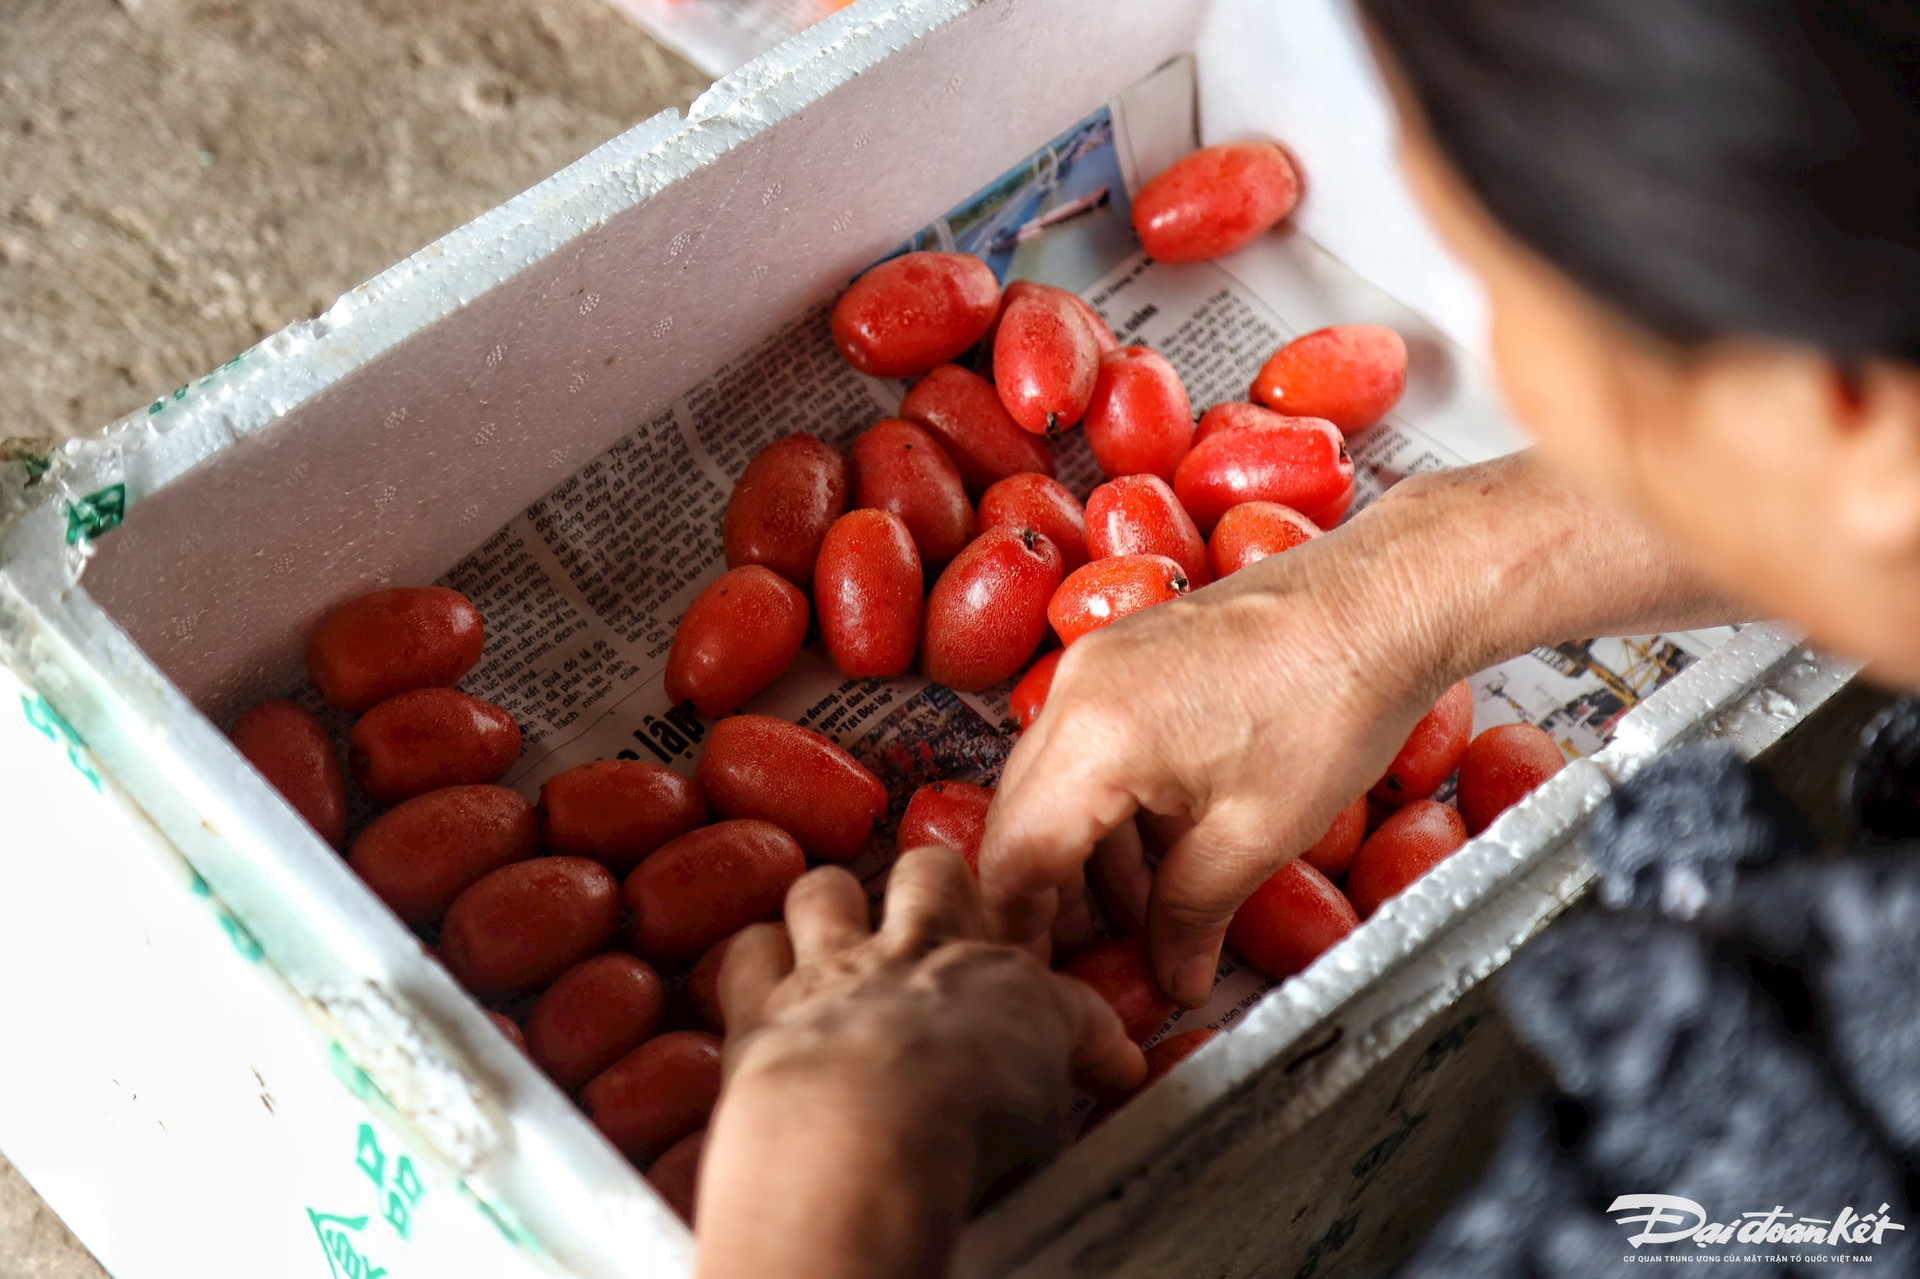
[{"x": 225, "y": 1057}]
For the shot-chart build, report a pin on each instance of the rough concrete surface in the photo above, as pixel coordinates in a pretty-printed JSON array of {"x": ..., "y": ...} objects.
[{"x": 179, "y": 178}]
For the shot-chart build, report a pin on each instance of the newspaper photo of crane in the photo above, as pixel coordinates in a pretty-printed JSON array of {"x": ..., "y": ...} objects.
[{"x": 1587, "y": 685}]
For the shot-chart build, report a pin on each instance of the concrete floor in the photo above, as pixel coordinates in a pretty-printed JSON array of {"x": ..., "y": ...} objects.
[{"x": 179, "y": 178}]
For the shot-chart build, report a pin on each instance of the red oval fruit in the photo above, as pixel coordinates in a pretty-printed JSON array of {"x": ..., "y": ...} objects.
[
  {"x": 961, "y": 409},
  {"x": 1139, "y": 421},
  {"x": 1432, "y": 750},
  {"x": 768, "y": 769},
  {"x": 517, "y": 928},
  {"x": 1334, "y": 851},
  {"x": 988, "y": 611},
  {"x": 870, "y": 591},
  {"x": 1017, "y": 289},
  {"x": 782, "y": 505},
  {"x": 675, "y": 1175},
  {"x": 1290, "y": 921},
  {"x": 1043, "y": 504},
  {"x": 710, "y": 884},
  {"x": 949, "y": 815},
  {"x": 1045, "y": 362},
  {"x": 425, "y": 852},
  {"x": 1139, "y": 515},
  {"x": 701, "y": 992},
  {"x": 429, "y": 738},
  {"x": 290, "y": 749},
  {"x": 1252, "y": 531},
  {"x": 1350, "y": 374},
  {"x": 594, "y": 1014},
  {"x": 915, "y": 311},
  {"x": 1029, "y": 696},
  {"x": 655, "y": 1095},
  {"x": 1408, "y": 844},
  {"x": 1215, "y": 200},
  {"x": 737, "y": 637},
  {"x": 900, "y": 468},
  {"x": 1121, "y": 970},
  {"x": 1103, "y": 592},
  {"x": 1500, "y": 768},
  {"x": 616, "y": 811},
  {"x": 1303, "y": 464},
  {"x": 368, "y": 649},
  {"x": 508, "y": 1027},
  {"x": 1225, "y": 417}
]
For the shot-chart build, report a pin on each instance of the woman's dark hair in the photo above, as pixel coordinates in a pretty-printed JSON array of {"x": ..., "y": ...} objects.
[{"x": 1709, "y": 167}]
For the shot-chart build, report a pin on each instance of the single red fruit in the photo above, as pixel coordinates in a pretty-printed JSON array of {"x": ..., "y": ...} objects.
[
  {"x": 1224, "y": 417},
  {"x": 915, "y": 311},
  {"x": 710, "y": 884},
  {"x": 900, "y": 468},
  {"x": 1017, "y": 289},
  {"x": 1302, "y": 464},
  {"x": 518, "y": 928},
  {"x": 1045, "y": 362},
  {"x": 782, "y": 505},
  {"x": 870, "y": 593},
  {"x": 425, "y": 852},
  {"x": 594, "y": 1014},
  {"x": 368, "y": 649},
  {"x": 616, "y": 811},
  {"x": 657, "y": 1094},
  {"x": 429, "y": 738},
  {"x": 1105, "y": 591},
  {"x": 1139, "y": 515},
  {"x": 988, "y": 612},
  {"x": 949, "y": 815},
  {"x": 1121, "y": 970},
  {"x": 1139, "y": 421},
  {"x": 1029, "y": 696},
  {"x": 1290, "y": 921},
  {"x": 1043, "y": 504},
  {"x": 963, "y": 411},
  {"x": 1432, "y": 750},
  {"x": 1350, "y": 374},
  {"x": 1500, "y": 768},
  {"x": 290, "y": 749},
  {"x": 508, "y": 1027},
  {"x": 1215, "y": 200},
  {"x": 760, "y": 767},
  {"x": 1408, "y": 844},
  {"x": 1334, "y": 852},
  {"x": 737, "y": 637},
  {"x": 1252, "y": 531},
  {"x": 675, "y": 1175}
]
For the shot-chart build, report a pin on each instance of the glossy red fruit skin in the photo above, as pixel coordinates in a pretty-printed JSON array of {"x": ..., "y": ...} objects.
[
  {"x": 869, "y": 593},
  {"x": 425, "y": 852},
  {"x": 736, "y": 638},
  {"x": 1105, "y": 591},
  {"x": 592, "y": 1015},
  {"x": 1232, "y": 413},
  {"x": 1139, "y": 421},
  {"x": 782, "y": 505},
  {"x": 1290, "y": 921},
  {"x": 508, "y": 1027},
  {"x": 1334, "y": 851},
  {"x": 1432, "y": 750},
  {"x": 290, "y": 749},
  {"x": 518, "y": 928},
  {"x": 1408, "y": 844},
  {"x": 710, "y": 884},
  {"x": 1500, "y": 768},
  {"x": 910, "y": 313},
  {"x": 420, "y": 741},
  {"x": 759, "y": 767},
  {"x": 675, "y": 1175},
  {"x": 961, "y": 409},
  {"x": 1303, "y": 464},
  {"x": 988, "y": 612},
  {"x": 1252, "y": 531},
  {"x": 1045, "y": 362},
  {"x": 1139, "y": 515},
  {"x": 1029, "y": 696},
  {"x": 657, "y": 1094},
  {"x": 370, "y": 648},
  {"x": 1016, "y": 289},
  {"x": 1043, "y": 504},
  {"x": 1215, "y": 200},
  {"x": 948, "y": 815},
  {"x": 616, "y": 811},
  {"x": 1121, "y": 970},
  {"x": 1350, "y": 374},
  {"x": 900, "y": 468}
]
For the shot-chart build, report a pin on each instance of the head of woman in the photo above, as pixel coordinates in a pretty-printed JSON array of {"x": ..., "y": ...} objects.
[{"x": 1699, "y": 228}]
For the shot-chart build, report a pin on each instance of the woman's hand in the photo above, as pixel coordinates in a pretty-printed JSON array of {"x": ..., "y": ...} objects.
[{"x": 878, "y": 1082}]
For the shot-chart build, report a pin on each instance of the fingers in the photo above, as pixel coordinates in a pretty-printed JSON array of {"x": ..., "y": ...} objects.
[
  {"x": 1101, "y": 1048},
  {"x": 758, "y": 959},
  {"x": 1072, "y": 914},
  {"x": 826, "y": 913},
  {"x": 1208, "y": 871},
  {"x": 931, "y": 898},
  {"x": 1120, "y": 879}
]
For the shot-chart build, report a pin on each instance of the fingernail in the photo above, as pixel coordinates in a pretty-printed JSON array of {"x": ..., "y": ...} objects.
[{"x": 1193, "y": 980}]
